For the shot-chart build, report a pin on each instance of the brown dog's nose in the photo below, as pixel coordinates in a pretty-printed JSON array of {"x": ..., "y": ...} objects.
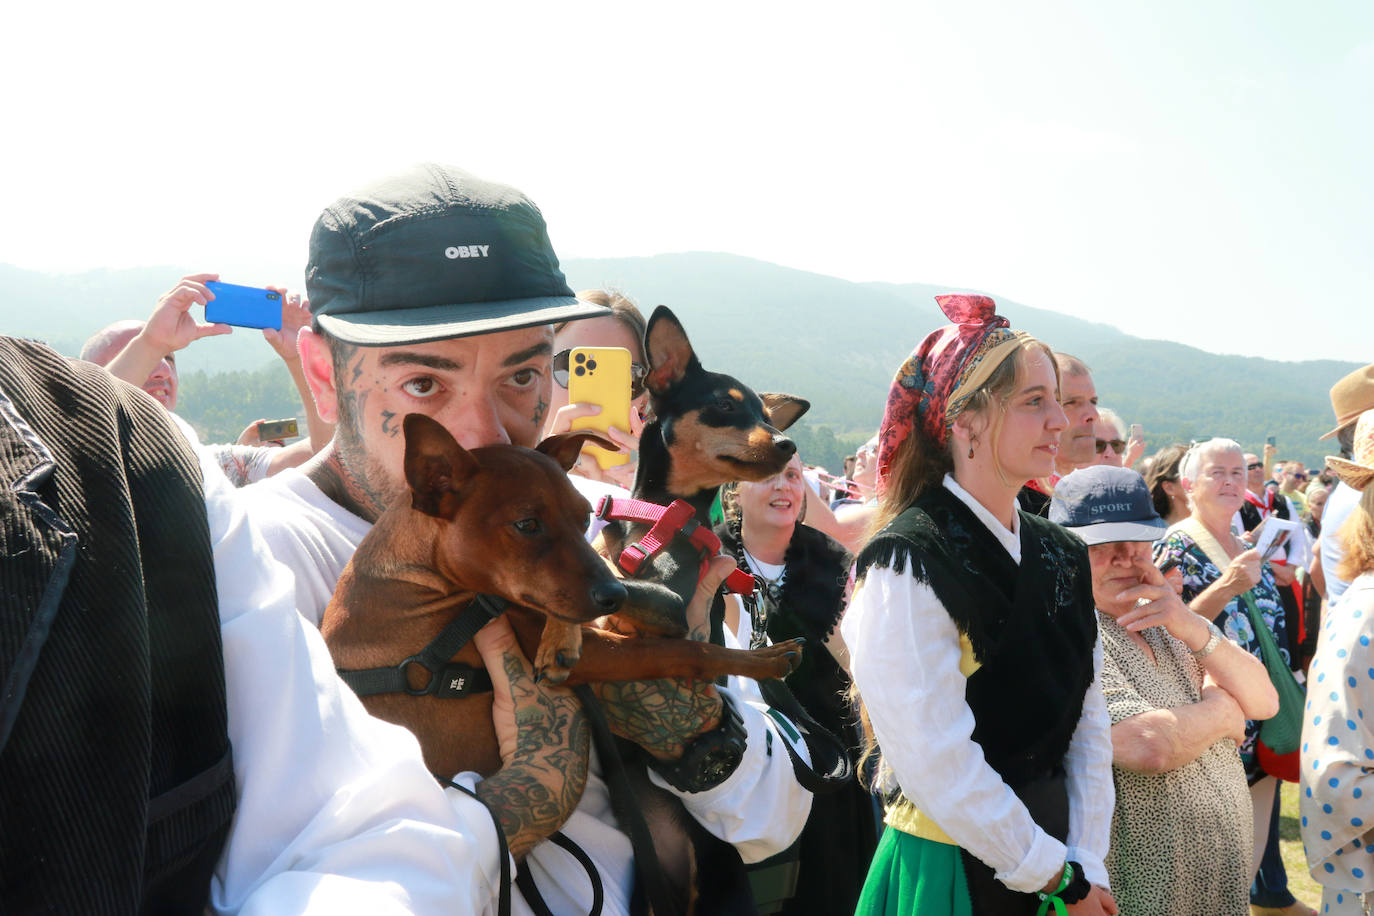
[
  {"x": 785, "y": 445},
  {"x": 608, "y": 596}
]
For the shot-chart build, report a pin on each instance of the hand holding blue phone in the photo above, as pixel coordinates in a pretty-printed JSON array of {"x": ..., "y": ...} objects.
[{"x": 243, "y": 306}]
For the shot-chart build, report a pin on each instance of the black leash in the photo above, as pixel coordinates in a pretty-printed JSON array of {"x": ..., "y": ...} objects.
[
  {"x": 827, "y": 751},
  {"x": 447, "y": 679},
  {"x": 525, "y": 880},
  {"x": 831, "y": 769},
  {"x": 647, "y": 867}
]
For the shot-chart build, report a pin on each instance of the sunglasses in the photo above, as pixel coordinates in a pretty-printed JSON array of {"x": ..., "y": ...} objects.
[
  {"x": 560, "y": 373},
  {"x": 1118, "y": 445},
  {"x": 1254, "y": 467}
]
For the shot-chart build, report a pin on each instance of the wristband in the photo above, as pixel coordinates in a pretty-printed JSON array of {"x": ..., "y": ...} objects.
[{"x": 1073, "y": 887}]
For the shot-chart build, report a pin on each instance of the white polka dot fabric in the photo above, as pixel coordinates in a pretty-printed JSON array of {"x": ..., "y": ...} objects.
[{"x": 1336, "y": 794}]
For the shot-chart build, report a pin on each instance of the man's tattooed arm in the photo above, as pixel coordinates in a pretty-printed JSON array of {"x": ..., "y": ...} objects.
[
  {"x": 536, "y": 790},
  {"x": 662, "y": 716}
]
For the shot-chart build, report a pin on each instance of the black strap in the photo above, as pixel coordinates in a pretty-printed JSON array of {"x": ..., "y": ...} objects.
[
  {"x": 447, "y": 680},
  {"x": 831, "y": 768},
  {"x": 503, "y": 903},
  {"x": 525, "y": 880},
  {"x": 647, "y": 867}
]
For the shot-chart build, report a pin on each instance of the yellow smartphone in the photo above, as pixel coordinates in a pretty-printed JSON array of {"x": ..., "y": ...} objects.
[{"x": 601, "y": 376}]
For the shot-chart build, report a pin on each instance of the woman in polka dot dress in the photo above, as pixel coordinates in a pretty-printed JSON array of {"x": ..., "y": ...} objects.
[{"x": 1337, "y": 789}]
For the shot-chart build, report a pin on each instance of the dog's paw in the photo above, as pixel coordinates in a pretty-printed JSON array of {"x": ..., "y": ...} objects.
[
  {"x": 555, "y": 665},
  {"x": 787, "y": 656}
]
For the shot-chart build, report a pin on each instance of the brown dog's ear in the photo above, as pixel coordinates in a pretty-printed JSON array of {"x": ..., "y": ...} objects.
[
  {"x": 565, "y": 448},
  {"x": 436, "y": 466},
  {"x": 783, "y": 409},
  {"x": 669, "y": 351}
]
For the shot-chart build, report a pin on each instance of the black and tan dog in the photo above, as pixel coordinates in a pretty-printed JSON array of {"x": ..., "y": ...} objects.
[{"x": 707, "y": 429}]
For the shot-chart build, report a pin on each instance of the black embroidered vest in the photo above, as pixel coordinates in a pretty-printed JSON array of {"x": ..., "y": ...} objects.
[
  {"x": 1032, "y": 626},
  {"x": 116, "y": 781}
]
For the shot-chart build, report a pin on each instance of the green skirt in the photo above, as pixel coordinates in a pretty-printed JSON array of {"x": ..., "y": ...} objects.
[{"x": 910, "y": 876}]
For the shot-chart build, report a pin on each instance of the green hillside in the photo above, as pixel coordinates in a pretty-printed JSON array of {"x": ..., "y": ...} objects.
[
  {"x": 837, "y": 343},
  {"x": 831, "y": 341}
]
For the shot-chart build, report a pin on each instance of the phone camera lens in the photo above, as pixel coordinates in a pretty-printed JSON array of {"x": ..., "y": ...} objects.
[
  {"x": 580, "y": 357},
  {"x": 580, "y": 371},
  {"x": 591, "y": 364}
]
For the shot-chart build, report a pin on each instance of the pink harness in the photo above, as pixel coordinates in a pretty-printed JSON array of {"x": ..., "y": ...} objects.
[{"x": 665, "y": 524}]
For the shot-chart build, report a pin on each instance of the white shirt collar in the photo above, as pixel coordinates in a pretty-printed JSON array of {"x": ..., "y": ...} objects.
[{"x": 1011, "y": 540}]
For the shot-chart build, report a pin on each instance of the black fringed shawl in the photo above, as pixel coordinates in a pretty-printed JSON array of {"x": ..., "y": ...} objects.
[{"x": 1031, "y": 626}]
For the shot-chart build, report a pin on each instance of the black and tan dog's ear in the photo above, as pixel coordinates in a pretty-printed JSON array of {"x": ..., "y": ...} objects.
[
  {"x": 565, "y": 448},
  {"x": 783, "y": 409},
  {"x": 436, "y": 466},
  {"x": 669, "y": 351}
]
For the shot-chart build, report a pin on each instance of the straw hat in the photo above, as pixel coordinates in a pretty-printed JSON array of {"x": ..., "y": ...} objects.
[
  {"x": 1352, "y": 396},
  {"x": 1359, "y": 472}
]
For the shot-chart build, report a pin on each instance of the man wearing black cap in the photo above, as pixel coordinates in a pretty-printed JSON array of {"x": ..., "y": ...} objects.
[
  {"x": 435, "y": 292},
  {"x": 1178, "y": 693}
]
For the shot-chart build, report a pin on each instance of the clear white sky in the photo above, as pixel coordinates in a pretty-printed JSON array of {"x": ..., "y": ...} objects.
[{"x": 1192, "y": 171}]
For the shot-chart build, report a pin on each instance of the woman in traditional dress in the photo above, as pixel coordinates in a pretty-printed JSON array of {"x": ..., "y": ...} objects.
[
  {"x": 803, "y": 576},
  {"x": 973, "y": 642},
  {"x": 1337, "y": 791}
]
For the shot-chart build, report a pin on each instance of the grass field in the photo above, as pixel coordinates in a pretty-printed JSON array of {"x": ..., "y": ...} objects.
[{"x": 1299, "y": 881}]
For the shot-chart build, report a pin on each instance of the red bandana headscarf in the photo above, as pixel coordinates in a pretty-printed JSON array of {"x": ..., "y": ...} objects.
[{"x": 924, "y": 389}]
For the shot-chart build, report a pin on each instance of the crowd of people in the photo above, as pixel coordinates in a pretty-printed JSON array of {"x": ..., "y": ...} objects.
[{"x": 1068, "y": 676}]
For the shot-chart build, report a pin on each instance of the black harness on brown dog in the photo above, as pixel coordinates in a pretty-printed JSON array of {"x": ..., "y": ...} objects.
[{"x": 448, "y": 679}]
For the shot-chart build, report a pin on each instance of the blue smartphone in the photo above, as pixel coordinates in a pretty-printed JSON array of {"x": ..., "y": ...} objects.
[{"x": 243, "y": 306}]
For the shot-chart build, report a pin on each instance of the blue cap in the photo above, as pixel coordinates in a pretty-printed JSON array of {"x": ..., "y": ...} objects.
[{"x": 1103, "y": 504}]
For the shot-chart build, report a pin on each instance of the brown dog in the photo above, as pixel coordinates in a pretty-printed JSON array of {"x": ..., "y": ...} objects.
[{"x": 502, "y": 521}]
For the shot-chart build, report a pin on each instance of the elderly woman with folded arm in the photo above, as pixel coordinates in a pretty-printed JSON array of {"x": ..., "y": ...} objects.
[
  {"x": 1218, "y": 569},
  {"x": 1178, "y": 694}
]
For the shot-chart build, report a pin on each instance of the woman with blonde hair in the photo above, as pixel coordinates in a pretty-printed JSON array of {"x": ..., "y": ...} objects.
[
  {"x": 973, "y": 642},
  {"x": 803, "y": 578},
  {"x": 1337, "y": 787}
]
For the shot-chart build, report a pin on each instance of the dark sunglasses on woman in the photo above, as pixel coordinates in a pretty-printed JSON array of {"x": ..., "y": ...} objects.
[{"x": 560, "y": 373}]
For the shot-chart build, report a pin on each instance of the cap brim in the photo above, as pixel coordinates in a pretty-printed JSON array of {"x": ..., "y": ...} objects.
[
  {"x": 1355, "y": 475},
  {"x": 395, "y": 327},
  {"x": 1111, "y": 532}
]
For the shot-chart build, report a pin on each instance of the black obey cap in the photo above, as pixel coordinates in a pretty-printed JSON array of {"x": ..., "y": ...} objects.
[
  {"x": 1103, "y": 504},
  {"x": 434, "y": 253}
]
